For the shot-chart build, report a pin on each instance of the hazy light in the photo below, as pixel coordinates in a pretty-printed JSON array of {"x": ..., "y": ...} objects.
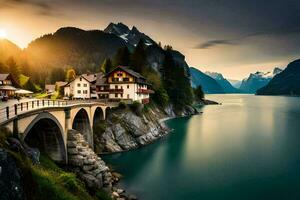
[{"x": 2, "y": 34}]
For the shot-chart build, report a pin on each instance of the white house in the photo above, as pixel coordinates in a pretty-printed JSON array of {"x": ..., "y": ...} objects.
[
  {"x": 79, "y": 88},
  {"x": 126, "y": 84}
]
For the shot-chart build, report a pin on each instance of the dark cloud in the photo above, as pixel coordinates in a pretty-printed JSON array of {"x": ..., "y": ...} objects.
[{"x": 43, "y": 6}]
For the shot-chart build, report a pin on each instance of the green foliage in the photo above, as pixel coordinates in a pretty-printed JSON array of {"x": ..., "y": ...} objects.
[
  {"x": 70, "y": 74},
  {"x": 13, "y": 68},
  {"x": 58, "y": 74},
  {"x": 176, "y": 83},
  {"x": 4, "y": 134},
  {"x": 138, "y": 57},
  {"x": 198, "y": 92},
  {"x": 122, "y": 57},
  {"x": 101, "y": 194},
  {"x": 161, "y": 97},
  {"x": 3, "y": 68},
  {"x": 122, "y": 105},
  {"x": 106, "y": 66},
  {"x": 136, "y": 107},
  {"x": 27, "y": 84},
  {"x": 48, "y": 181},
  {"x": 99, "y": 128}
]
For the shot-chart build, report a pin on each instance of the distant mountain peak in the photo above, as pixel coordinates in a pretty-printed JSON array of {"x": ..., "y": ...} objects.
[
  {"x": 131, "y": 36},
  {"x": 215, "y": 75}
]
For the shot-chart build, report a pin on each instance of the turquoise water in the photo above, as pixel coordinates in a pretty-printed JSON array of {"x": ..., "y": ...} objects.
[{"x": 247, "y": 148}]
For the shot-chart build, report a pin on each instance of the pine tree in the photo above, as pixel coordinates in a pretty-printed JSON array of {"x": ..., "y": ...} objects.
[
  {"x": 106, "y": 66},
  {"x": 13, "y": 68},
  {"x": 70, "y": 75},
  {"x": 122, "y": 57},
  {"x": 138, "y": 58}
]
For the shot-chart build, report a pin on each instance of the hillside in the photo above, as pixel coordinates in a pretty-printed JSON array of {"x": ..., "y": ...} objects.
[
  {"x": 9, "y": 50},
  {"x": 69, "y": 46},
  {"x": 285, "y": 83},
  {"x": 209, "y": 85},
  {"x": 224, "y": 83}
]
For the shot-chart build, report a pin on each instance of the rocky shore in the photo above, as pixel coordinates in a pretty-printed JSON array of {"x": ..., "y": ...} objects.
[{"x": 125, "y": 130}]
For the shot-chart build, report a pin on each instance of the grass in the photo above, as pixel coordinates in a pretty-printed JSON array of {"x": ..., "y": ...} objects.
[
  {"x": 42, "y": 95},
  {"x": 48, "y": 181}
]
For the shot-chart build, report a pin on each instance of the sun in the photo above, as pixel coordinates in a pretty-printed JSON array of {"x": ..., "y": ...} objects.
[{"x": 2, "y": 34}]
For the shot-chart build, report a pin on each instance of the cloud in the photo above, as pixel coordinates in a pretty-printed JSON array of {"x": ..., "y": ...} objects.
[
  {"x": 212, "y": 43},
  {"x": 282, "y": 31},
  {"x": 43, "y": 7}
]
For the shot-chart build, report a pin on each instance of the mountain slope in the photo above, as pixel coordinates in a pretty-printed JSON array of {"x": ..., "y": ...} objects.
[
  {"x": 285, "y": 83},
  {"x": 257, "y": 80},
  {"x": 209, "y": 85},
  {"x": 224, "y": 83},
  {"x": 235, "y": 83},
  {"x": 84, "y": 50},
  {"x": 8, "y": 49}
]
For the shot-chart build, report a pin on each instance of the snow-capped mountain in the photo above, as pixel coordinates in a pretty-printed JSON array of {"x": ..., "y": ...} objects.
[
  {"x": 131, "y": 36},
  {"x": 258, "y": 80},
  {"x": 224, "y": 83}
]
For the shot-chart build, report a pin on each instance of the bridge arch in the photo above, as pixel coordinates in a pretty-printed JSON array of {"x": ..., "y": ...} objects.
[
  {"x": 81, "y": 123},
  {"x": 99, "y": 115},
  {"x": 46, "y": 133}
]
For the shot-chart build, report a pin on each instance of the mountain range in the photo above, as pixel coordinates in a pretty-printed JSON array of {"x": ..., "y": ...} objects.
[
  {"x": 224, "y": 83},
  {"x": 208, "y": 84},
  {"x": 286, "y": 82},
  {"x": 257, "y": 80}
]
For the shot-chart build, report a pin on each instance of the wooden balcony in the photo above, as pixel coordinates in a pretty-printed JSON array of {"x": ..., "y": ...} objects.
[
  {"x": 145, "y": 101},
  {"x": 145, "y": 91}
]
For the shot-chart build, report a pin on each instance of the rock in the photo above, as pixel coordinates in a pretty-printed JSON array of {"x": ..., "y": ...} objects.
[
  {"x": 10, "y": 178},
  {"x": 115, "y": 195},
  {"x": 88, "y": 167},
  {"x": 120, "y": 191},
  {"x": 72, "y": 151}
]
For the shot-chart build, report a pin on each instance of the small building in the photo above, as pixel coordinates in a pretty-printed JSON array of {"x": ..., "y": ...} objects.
[
  {"x": 49, "y": 88},
  {"x": 7, "y": 85},
  {"x": 122, "y": 83},
  {"x": 93, "y": 79},
  {"x": 79, "y": 88}
]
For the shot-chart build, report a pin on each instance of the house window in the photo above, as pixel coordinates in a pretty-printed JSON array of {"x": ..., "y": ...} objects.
[
  {"x": 122, "y": 95},
  {"x": 116, "y": 95},
  {"x": 127, "y": 86},
  {"x": 78, "y": 84},
  {"x": 128, "y": 96},
  {"x": 79, "y": 91},
  {"x": 116, "y": 87},
  {"x": 80, "y": 79},
  {"x": 85, "y": 85},
  {"x": 85, "y": 91}
]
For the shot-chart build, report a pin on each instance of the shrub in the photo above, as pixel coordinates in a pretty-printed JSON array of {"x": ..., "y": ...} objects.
[
  {"x": 122, "y": 105},
  {"x": 136, "y": 107},
  {"x": 4, "y": 134}
]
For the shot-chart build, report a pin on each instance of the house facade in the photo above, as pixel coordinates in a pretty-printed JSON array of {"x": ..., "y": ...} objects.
[
  {"x": 6, "y": 85},
  {"x": 79, "y": 88},
  {"x": 123, "y": 83}
]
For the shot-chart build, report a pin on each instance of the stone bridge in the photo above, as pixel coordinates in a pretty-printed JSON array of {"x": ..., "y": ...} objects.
[{"x": 44, "y": 124}]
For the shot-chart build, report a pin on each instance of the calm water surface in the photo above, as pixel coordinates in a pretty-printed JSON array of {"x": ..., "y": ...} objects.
[{"x": 247, "y": 148}]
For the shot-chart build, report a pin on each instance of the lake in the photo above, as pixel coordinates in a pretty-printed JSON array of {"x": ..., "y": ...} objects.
[{"x": 246, "y": 148}]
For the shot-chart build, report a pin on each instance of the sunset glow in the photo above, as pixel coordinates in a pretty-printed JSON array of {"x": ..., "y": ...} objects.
[{"x": 3, "y": 34}]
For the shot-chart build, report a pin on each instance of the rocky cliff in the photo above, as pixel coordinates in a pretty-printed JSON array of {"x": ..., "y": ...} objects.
[{"x": 124, "y": 129}]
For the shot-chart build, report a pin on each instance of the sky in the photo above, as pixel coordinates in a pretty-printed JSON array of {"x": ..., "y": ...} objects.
[{"x": 233, "y": 37}]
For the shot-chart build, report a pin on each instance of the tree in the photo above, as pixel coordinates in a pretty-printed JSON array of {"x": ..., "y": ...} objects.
[
  {"x": 3, "y": 68},
  {"x": 57, "y": 74},
  {"x": 176, "y": 83},
  {"x": 106, "y": 66},
  {"x": 138, "y": 58},
  {"x": 70, "y": 75},
  {"x": 198, "y": 92},
  {"x": 13, "y": 68},
  {"x": 122, "y": 57}
]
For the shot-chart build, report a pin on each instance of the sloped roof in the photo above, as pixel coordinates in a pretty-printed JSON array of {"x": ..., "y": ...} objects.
[
  {"x": 60, "y": 83},
  {"x": 128, "y": 70},
  {"x": 3, "y": 77},
  {"x": 92, "y": 77}
]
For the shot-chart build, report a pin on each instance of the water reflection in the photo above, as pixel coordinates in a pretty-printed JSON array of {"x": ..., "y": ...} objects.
[{"x": 248, "y": 148}]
